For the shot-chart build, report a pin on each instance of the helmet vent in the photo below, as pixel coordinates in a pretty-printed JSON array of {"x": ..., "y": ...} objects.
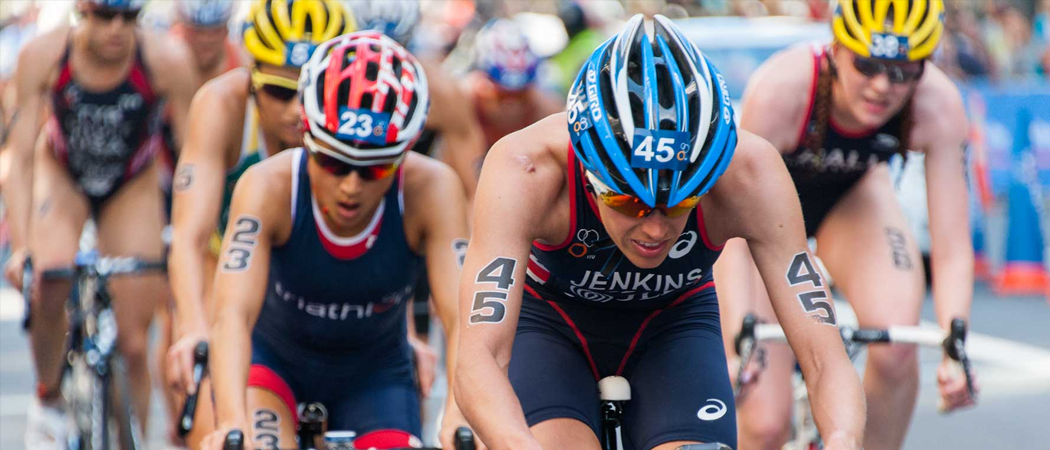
[
  {"x": 637, "y": 110},
  {"x": 371, "y": 71},
  {"x": 665, "y": 96},
  {"x": 344, "y": 89}
]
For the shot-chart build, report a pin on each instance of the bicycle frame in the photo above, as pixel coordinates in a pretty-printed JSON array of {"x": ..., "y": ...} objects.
[
  {"x": 92, "y": 363},
  {"x": 614, "y": 392}
]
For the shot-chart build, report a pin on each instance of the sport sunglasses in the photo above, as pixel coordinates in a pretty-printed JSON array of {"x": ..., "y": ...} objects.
[
  {"x": 335, "y": 165},
  {"x": 108, "y": 14},
  {"x": 632, "y": 206},
  {"x": 278, "y": 87},
  {"x": 897, "y": 73}
]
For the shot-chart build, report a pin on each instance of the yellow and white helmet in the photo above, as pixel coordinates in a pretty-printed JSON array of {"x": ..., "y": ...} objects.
[
  {"x": 285, "y": 32},
  {"x": 906, "y": 30}
]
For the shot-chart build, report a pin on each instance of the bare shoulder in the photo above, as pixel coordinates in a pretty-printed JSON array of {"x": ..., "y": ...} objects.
[
  {"x": 777, "y": 97},
  {"x": 267, "y": 185},
  {"x": 166, "y": 56},
  {"x": 38, "y": 59},
  {"x": 938, "y": 111},
  {"x": 753, "y": 161},
  {"x": 755, "y": 175},
  {"x": 538, "y": 151},
  {"x": 526, "y": 171},
  {"x": 223, "y": 95},
  {"x": 429, "y": 180},
  {"x": 439, "y": 84}
]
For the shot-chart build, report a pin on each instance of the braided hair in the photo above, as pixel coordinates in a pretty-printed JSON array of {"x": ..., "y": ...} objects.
[{"x": 816, "y": 129}]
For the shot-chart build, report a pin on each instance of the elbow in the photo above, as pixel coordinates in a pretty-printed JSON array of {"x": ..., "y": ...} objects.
[{"x": 193, "y": 240}]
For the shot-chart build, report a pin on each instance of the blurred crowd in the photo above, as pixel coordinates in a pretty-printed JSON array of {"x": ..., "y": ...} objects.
[{"x": 985, "y": 39}]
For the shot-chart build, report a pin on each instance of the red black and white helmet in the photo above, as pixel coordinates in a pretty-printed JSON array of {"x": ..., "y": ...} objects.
[{"x": 365, "y": 96}]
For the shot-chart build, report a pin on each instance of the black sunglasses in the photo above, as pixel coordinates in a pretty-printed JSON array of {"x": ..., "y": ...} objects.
[
  {"x": 108, "y": 14},
  {"x": 897, "y": 73},
  {"x": 278, "y": 93},
  {"x": 342, "y": 169}
]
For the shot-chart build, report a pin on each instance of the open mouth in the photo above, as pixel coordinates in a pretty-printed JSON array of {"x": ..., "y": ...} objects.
[
  {"x": 348, "y": 210},
  {"x": 649, "y": 249}
]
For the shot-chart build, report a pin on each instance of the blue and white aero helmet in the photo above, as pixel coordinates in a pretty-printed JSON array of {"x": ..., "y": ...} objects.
[
  {"x": 501, "y": 51},
  {"x": 205, "y": 13},
  {"x": 650, "y": 116},
  {"x": 395, "y": 18},
  {"x": 119, "y": 4}
]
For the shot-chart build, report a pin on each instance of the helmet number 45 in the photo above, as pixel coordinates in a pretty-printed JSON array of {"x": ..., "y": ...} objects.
[{"x": 660, "y": 149}]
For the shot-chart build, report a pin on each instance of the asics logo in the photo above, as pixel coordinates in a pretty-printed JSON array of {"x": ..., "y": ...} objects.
[
  {"x": 684, "y": 245},
  {"x": 711, "y": 412}
]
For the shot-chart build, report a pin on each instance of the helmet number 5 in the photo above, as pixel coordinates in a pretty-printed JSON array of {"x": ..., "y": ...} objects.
[{"x": 664, "y": 149}]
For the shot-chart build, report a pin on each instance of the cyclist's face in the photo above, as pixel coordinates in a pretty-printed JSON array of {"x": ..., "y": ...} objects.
[
  {"x": 279, "y": 115},
  {"x": 346, "y": 202},
  {"x": 502, "y": 105},
  {"x": 110, "y": 32},
  {"x": 206, "y": 43},
  {"x": 645, "y": 241},
  {"x": 871, "y": 99}
]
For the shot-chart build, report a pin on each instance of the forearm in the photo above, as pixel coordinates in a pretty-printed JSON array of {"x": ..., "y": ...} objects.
[
  {"x": 231, "y": 347},
  {"x": 451, "y": 350},
  {"x": 487, "y": 400},
  {"x": 186, "y": 263},
  {"x": 952, "y": 269},
  {"x": 18, "y": 195},
  {"x": 951, "y": 257},
  {"x": 464, "y": 150},
  {"x": 837, "y": 401}
]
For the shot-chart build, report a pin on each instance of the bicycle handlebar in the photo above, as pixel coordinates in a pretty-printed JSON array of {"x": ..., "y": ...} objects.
[
  {"x": 105, "y": 266},
  {"x": 464, "y": 441},
  {"x": 189, "y": 409},
  {"x": 953, "y": 342}
]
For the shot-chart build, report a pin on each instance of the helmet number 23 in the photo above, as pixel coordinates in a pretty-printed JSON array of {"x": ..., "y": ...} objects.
[{"x": 352, "y": 124}]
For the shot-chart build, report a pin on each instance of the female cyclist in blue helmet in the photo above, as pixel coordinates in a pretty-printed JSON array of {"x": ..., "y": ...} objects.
[{"x": 592, "y": 252}]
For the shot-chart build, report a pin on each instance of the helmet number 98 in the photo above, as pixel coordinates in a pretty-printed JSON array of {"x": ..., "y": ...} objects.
[
  {"x": 664, "y": 149},
  {"x": 887, "y": 46},
  {"x": 352, "y": 124}
]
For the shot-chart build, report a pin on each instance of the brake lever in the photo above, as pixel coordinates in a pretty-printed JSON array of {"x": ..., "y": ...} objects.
[
  {"x": 189, "y": 409},
  {"x": 955, "y": 348},
  {"x": 464, "y": 439},
  {"x": 744, "y": 344}
]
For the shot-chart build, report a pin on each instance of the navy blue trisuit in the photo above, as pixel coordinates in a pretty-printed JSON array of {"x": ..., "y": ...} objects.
[
  {"x": 333, "y": 325},
  {"x": 588, "y": 313}
]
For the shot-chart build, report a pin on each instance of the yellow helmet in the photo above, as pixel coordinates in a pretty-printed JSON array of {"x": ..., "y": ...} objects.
[
  {"x": 285, "y": 32},
  {"x": 911, "y": 34}
]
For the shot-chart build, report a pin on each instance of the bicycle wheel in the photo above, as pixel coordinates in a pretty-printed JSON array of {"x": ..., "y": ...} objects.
[
  {"x": 127, "y": 422},
  {"x": 87, "y": 394}
]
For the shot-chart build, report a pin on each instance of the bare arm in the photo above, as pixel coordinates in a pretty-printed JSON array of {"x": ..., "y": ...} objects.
[
  {"x": 762, "y": 206},
  {"x": 444, "y": 241},
  {"x": 30, "y": 84},
  {"x": 453, "y": 116},
  {"x": 198, "y": 193},
  {"x": 941, "y": 133},
  {"x": 513, "y": 198},
  {"x": 951, "y": 250},
  {"x": 780, "y": 85},
  {"x": 240, "y": 286},
  {"x": 179, "y": 81}
]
